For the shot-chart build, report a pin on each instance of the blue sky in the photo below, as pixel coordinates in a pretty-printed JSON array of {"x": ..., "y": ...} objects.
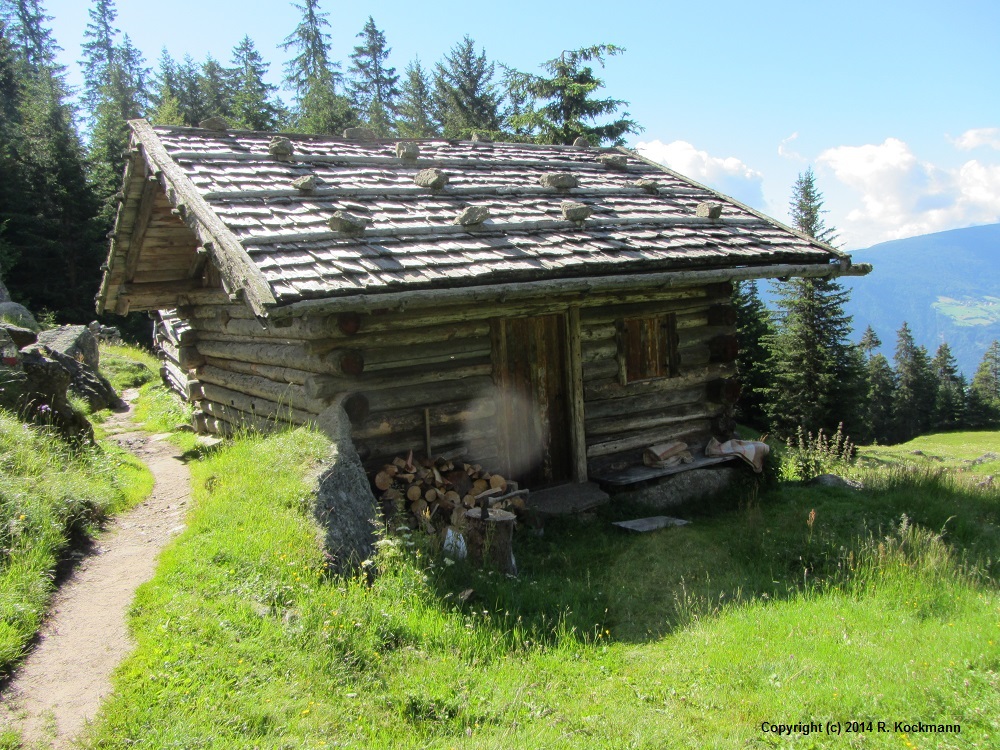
[{"x": 895, "y": 105}]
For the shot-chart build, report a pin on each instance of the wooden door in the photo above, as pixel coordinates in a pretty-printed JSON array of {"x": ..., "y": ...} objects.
[{"x": 531, "y": 375}]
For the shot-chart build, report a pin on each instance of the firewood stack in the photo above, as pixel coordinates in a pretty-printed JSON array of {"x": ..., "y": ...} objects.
[{"x": 434, "y": 494}]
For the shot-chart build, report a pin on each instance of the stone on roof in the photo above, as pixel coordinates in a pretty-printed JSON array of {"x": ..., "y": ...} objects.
[{"x": 377, "y": 218}]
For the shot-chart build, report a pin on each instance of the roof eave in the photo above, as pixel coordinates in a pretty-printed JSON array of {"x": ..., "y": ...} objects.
[
  {"x": 527, "y": 290},
  {"x": 238, "y": 272}
]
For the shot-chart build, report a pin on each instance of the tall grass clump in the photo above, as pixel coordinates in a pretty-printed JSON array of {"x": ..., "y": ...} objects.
[
  {"x": 52, "y": 496},
  {"x": 807, "y": 455}
]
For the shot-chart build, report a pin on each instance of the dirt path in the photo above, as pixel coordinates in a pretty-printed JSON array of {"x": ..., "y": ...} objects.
[{"x": 61, "y": 684}]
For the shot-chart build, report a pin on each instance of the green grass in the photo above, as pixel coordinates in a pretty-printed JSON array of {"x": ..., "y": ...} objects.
[
  {"x": 970, "y": 311},
  {"x": 128, "y": 366},
  {"x": 51, "y": 497},
  {"x": 777, "y": 605},
  {"x": 962, "y": 452}
]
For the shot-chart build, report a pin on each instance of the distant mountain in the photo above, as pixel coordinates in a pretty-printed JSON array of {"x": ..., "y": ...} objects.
[{"x": 945, "y": 285}]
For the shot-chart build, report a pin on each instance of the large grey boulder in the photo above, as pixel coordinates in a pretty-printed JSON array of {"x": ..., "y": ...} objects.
[
  {"x": 73, "y": 341},
  {"x": 677, "y": 489},
  {"x": 85, "y": 381},
  {"x": 35, "y": 389},
  {"x": 344, "y": 503},
  {"x": 20, "y": 335},
  {"x": 19, "y": 315}
]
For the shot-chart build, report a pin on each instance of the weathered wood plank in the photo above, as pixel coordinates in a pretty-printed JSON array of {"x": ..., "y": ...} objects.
[
  {"x": 288, "y": 394},
  {"x": 647, "y": 437},
  {"x": 644, "y": 421},
  {"x": 611, "y": 389},
  {"x": 577, "y": 411},
  {"x": 328, "y": 386}
]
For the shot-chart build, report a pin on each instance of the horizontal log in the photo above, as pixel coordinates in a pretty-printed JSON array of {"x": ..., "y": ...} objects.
[
  {"x": 262, "y": 407},
  {"x": 726, "y": 390},
  {"x": 611, "y": 389},
  {"x": 329, "y": 386},
  {"x": 288, "y": 394},
  {"x": 645, "y": 421},
  {"x": 597, "y": 316},
  {"x": 484, "y": 452},
  {"x": 420, "y": 226},
  {"x": 467, "y": 388},
  {"x": 412, "y": 420},
  {"x": 553, "y": 288},
  {"x": 401, "y": 191},
  {"x": 600, "y": 370},
  {"x": 366, "y": 339},
  {"x": 475, "y": 444},
  {"x": 647, "y": 437},
  {"x": 143, "y": 301},
  {"x": 272, "y": 372},
  {"x": 647, "y": 402},
  {"x": 685, "y": 321},
  {"x": 263, "y": 353},
  {"x": 443, "y": 352},
  {"x": 243, "y": 419}
]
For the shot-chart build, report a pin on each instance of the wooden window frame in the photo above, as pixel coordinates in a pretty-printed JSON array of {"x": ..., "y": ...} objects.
[{"x": 647, "y": 348}]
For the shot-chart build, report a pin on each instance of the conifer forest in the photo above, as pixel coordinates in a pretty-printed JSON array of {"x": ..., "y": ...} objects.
[{"x": 61, "y": 160}]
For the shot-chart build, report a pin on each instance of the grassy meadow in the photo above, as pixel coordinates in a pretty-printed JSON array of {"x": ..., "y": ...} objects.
[{"x": 780, "y": 603}]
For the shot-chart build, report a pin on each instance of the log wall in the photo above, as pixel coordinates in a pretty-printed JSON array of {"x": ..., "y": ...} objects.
[{"x": 402, "y": 370}]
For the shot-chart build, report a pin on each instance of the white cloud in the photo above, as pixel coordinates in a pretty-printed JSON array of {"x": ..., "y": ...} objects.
[
  {"x": 977, "y": 137},
  {"x": 902, "y": 196},
  {"x": 728, "y": 175},
  {"x": 786, "y": 152}
]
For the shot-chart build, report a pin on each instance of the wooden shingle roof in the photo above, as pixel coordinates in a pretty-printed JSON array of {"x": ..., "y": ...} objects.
[{"x": 274, "y": 244}]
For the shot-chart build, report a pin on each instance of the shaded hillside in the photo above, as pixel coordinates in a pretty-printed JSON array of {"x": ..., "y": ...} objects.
[{"x": 945, "y": 285}]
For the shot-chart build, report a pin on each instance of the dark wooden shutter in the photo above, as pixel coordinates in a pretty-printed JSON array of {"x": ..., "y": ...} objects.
[{"x": 647, "y": 348}]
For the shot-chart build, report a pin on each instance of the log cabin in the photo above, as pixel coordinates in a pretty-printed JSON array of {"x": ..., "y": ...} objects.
[{"x": 547, "y": 310}]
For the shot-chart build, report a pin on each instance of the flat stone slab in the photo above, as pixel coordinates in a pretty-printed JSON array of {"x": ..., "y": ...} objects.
[
  {"x": 567, "y": 498},
  {"x": 652, "y": 523}
]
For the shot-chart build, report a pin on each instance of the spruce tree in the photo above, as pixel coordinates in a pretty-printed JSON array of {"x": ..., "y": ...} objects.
[
  {"x": 414, "y": 113},
  {"x": 98, "y": 51},
  {"x": 878, "y": 418},
  {"x": 569, "y": 110},
  {"x": 984, "y": 391},
  {"x": 949, "y": 399},
  {"x": 313, "y": 77},
  {"x": 916, "y": 387},
  {"x": 253, "y": 104},
  {"x": 466, "y": 99},
  {"x": 753, "y": 325},
  {"x": 52, "y": 246},
  {"x": 121, "y": 97},
  {"x": 813, "y": 371},
  {"x": 373, "y": 86}
]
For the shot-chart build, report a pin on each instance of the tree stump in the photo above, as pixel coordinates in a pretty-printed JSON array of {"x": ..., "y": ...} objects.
[{"x": 489, "y": 540}]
